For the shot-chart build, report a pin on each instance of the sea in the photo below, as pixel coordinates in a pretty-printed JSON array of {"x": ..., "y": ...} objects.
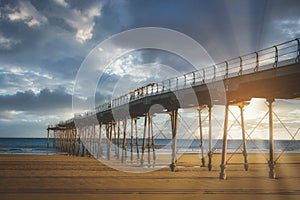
[
  {"x": 39, "y": 146},
  {"x": 26, "y": 146}
]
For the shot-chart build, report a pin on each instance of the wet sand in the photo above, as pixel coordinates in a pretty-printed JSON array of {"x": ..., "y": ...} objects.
[{"x": 67, "y": 177}]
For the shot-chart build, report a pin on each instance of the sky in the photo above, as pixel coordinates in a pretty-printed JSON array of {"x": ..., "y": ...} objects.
[{"x": 44, "y": 43}]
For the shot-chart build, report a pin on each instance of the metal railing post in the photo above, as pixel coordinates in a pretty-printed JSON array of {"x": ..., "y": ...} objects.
[
  {"x": 276, "y": 57},
  {"x": 298, "y": 51},
  {"x": 241, "y": 66},
  {"x": 194, "y": 78},
  {"x": 226, "y": 70},
  {"x": 257, "y": 63},
  {"x": 152, "y": 86},
  {"x": 214, "y": 72}
]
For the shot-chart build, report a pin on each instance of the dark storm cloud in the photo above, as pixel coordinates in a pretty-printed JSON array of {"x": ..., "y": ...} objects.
[{"x": 44, "y": 101}]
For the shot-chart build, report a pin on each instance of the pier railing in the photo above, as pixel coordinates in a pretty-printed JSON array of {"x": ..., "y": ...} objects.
[{"x": 276, "y": 56}]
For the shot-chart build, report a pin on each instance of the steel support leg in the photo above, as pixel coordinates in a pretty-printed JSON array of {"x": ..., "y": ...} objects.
[
  {"x": 48, "y": 138},
  {"x": 54, "y": 138},
  {"x": 94, "y": 140},
  {"x": 131, "y": 141},
  {"x": 144, "y": 139},
  {"x": 119, "y": 140},
  {"x": 110, "y": 136},
  {"x": 123, "y": 159},
  {"x": 148, "y": 141},
  {"x": 137, "y": 139},
  {"x": 84, "y": 143},
  {"x": 100, "y": 141},
  {"x": 271, "y": 141},
  {"x": 108, "y": 128},
  {"x": 210, "y": 153},
  {"x": 224, "y": 148},
  {"x": 244, "y": 138},
  {"x": 73, "y": 142},
  {"x": 174, "y": 122},
  {"x": 201, "y": 136},
  {"x": 115, "y": 138},
  {"x": 152, "y": 138}
]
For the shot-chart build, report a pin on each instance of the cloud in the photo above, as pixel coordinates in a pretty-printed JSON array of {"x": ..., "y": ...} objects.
[
  {"x": 43, "y": 103},
  {"x": 27, "y": 13},
  {"x": 62, "y": 3},
  {"x": 289, "y": 27},
  {"x": 83, "y": 21},
  {"x": 8, "y": 115},
  {"x": 13, "y": 78},
  {"x": 7, "y": 43},
  {"x": 23, "y": 72}
]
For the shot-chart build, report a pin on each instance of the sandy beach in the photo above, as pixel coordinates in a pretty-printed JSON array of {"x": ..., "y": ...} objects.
[{"x": 67, "y": 177}]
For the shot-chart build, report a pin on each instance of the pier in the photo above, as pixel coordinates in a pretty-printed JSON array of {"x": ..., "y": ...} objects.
[{"x": 271, "y": 73}]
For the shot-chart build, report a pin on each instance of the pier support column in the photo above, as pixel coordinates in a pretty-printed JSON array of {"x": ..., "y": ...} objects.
[
  {"x": 149, "y": 140},
  {"x": 115, "y": 138},
  {"x": 131, "y": 140},
  {"x": 174, "y": 122},
  {"x": 144, "y": 139},
  {"x": 87, "y": 141},
  {"x": 74, "y": 141},
  {"x": 77, "y": 142},
  {"x": 119, "y": 140},
  {"x": 54, "y": 139},
  {"x": 83, "y": 141},
  {"x": 63, "y": 141},
  {"x": 100, "y": 141},
  {"x": 224, "y": 148},
  {"x": 137, "y": 138},
  {"x": 108, "y": 140},
  {"x": 110, "y": 135},
  {"x": 124, "y": 150},
  {"x": 271, "y": 161},
  {"x": 210, "y": 153},
  {"x": 48, "y": 138},
  {"x": 67, "y": 141},
  {"x": 94, "y": 140},
  {"x": 241, "y": 106},
  {"x": 152, "y": 139},
  {"x": 201, "y": 135}
]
